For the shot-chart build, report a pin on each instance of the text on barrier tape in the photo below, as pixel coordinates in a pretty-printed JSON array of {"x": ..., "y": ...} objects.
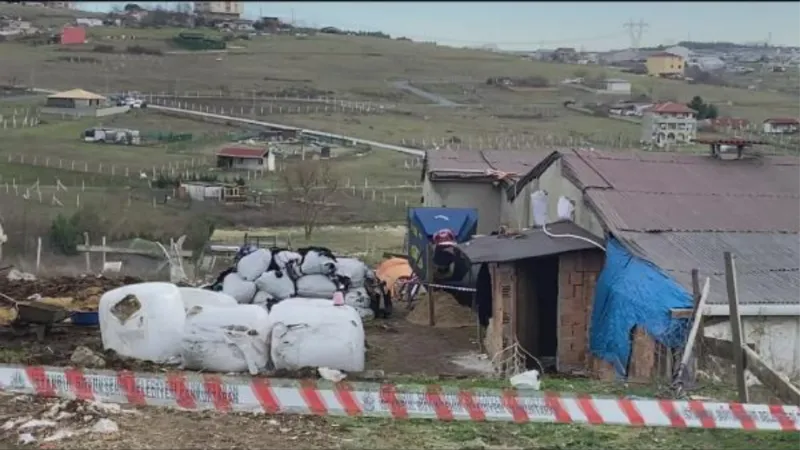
[{"x": 223, "y": 393}]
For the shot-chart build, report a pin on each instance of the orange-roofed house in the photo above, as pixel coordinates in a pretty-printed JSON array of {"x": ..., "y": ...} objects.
[
  {"x": 664, "y": 64},
  {"x": 669, "y": 123}
]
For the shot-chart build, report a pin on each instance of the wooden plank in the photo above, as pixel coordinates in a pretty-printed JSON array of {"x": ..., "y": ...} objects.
[
  {"x": 720, "y": 347},
  {"x": 698, "y": 305},
  {"x": 683, "y": 313},
  {"x": 698, "y": 317},
  {"x": 770, "y": 378},
  {"x": 736, "y": 327}
]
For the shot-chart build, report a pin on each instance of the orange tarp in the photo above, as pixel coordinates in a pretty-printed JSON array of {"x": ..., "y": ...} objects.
[{"x": 391, "y": 270}]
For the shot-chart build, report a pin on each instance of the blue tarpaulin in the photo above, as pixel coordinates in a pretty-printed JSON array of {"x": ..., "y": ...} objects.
[
  {"x": 632, "y": 292},
  {"x": 423, "y": 223}
]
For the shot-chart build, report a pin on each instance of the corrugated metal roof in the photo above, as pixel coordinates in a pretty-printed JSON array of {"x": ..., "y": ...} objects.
[
  {"x": 478, "y": 162},
  {"x": 767, "y": 264},
  {"x": 77, "y": 94},
  {"x": 528, "y": 244},
  {"x": 242, "y": 152}
]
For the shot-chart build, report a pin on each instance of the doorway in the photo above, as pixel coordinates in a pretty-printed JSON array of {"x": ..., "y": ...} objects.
[{"x": 537, "y": 310}]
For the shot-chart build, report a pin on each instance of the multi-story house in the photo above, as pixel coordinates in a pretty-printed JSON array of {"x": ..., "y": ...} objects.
[
  {"x": 225, "y": 10},
  {"x": 668, "y": 124},
  {"x": 665, "y": 64}
]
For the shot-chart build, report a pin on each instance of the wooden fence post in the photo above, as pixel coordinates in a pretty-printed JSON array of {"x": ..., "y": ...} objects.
[
  {"x": 88, "y": 255},
  {"x": 736, "y": 327}
]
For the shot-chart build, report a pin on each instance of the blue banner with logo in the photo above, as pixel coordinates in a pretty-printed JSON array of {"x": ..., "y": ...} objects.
[{"x": 423, "y": 223}]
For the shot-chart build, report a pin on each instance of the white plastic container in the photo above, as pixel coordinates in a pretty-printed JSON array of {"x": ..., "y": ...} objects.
[
  {"x": 203, "y": 297},
  {"x": 314, "y": 333},
  {"x": 226, "y": 339},
  {"x": 143, "y": 321}
]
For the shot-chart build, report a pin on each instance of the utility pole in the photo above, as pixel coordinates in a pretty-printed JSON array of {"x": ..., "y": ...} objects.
[{"x": 635, "y": 30}]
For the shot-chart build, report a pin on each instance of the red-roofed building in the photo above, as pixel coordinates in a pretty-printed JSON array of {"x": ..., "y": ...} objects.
[
  {"x": 669, "y": 123},
  {"x": 781, "y": 125},
  {"x": 729, "y": 123},
  {"x": 243, "y": 158}
]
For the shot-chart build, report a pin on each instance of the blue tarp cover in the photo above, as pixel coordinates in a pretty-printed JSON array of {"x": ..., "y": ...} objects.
[
  {"x": 423, "y": 223},
  {"x": 633, "y": 292}
]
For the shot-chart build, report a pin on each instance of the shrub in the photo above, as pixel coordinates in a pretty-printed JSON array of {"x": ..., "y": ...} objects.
[
  {"x": 64, "y": 235},
  {"x": 141, "y": 50},
  {"x": 104, "y": 48}
]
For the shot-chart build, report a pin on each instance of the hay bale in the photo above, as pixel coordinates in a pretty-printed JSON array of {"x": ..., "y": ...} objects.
[{"x": 448, "y": 312}]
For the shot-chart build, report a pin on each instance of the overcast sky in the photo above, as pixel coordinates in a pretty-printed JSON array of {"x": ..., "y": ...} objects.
[{"x": 531, "y": 25}]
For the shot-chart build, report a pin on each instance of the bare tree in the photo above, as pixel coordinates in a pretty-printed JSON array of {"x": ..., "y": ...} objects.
[{"x": 311, "y": 184}]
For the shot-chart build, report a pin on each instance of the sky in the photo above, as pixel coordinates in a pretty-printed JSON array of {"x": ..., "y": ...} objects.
[{"x": 532, "y": 25}]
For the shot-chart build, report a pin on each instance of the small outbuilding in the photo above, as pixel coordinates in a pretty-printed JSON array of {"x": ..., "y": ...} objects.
[
  {"x": 80, "y": 103},
  {"x": 243, "y": 158},
  {"x": 617, "y": 86}
]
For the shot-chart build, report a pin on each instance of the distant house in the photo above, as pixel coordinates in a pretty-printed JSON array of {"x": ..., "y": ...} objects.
[
  {"x": 729, "y": 123},
  {"x": 220, "y": 10},
  {"x": 73, "y": 35},
  {"x": 664, "y": 64},
  {"x": 89, "y": 22},
  {"x": 617, "y": 86},
  {"x": 669, "y": 123},
  {"x": 564, "y": 54},
  {"x": 80, "y": 103},
  {"x": 243, "y": 158},
  {"x": 781, "y": 125},
  {"x": 479, "y": 179}
]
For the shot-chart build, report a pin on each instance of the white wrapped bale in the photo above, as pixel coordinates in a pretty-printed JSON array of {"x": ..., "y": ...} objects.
[
  {"x": 143, "y": 321},
  {"x": 253, "y": 265},
  {"x": 284, "y": 257},
  {"x": 315, "y": 286},
  {"x": 314, "y": 333},
  {"x": 317, "y": 263},
  {"x": 203, "y": 297},
  {"x": 241, "y": 290},
  {"x": 357, "y": 298},
  {"x": 277, "y": 284},
  {"x": 262, "y": 299},
  {"x": 226, "y": 339},
  {"x": 353, "y": 269}
]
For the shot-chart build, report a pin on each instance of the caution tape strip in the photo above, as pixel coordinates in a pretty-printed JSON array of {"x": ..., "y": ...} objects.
[
  {"x": 190, "y": 391},
  {"x": 447, "y": 287}
]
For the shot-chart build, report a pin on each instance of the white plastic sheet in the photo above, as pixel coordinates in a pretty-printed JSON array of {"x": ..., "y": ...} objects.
[
  {"x": 226, "y": 339},
  {"x": 352, "y": 268},
  {"x": 143, "y": 321},
  {"x": 315, "y": 286},
  {"x": 253, "y": 265},
  {"x": 314, "y": 333},
  {"x": 203, "y": 297},
  {"x": 277, "y": 284},
  {"x": 243, "y": 291}
]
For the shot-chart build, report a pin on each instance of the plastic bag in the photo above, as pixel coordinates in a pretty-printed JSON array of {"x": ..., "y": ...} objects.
[
  {"x": 253, "y": 265},
  {"x": 277, "y": 284},
  {"x": 315, "y": 286},
  {"x": 318, "y": 262},
  {"x": 226, "y": 339},
  {"x": 357, "y": 298},
  {"x": 353, "y": 269},
  {"x": 143, "y": 321},
  {"x": 203, "y": 297},
  {"x": 314, "y": 333},
  {"x": 241, "y": 290}
]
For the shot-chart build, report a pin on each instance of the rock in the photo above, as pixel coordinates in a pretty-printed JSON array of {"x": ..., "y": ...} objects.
[
  {"x": 332, "y": 375},
  {"x": 37, "y": 423},
  {"x": 84, "y": 357},
  {"x": 26, "y": 438},
  {"x": 105, "y": 426}
]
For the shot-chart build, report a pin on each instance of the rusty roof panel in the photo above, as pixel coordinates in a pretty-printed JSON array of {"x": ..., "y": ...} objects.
[
  {"x": 767, "y": 264},
  {"x": 582, "y": 174},
  {"x": 638, "y": 211},
  {"x": 516, "y": 162}
]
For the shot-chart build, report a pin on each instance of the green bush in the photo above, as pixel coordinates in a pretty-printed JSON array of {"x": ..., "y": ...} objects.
[{"x": 64, "y": 235}]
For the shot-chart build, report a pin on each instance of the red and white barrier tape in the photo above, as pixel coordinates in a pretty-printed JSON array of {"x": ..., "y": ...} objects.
[{"x": 224, "y": 394}]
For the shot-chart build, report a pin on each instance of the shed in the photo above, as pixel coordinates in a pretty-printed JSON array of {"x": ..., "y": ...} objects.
[
  {"x": 664, "y": 214},
  {"x": 73, "y": 35},
  {"x": 478, "y": 179},
  {"x": 617, "y": 86},
  {"x": 75, "y": 98},
  {"x": 243, "y": 158},
  {"x": 536, "y": 289}
]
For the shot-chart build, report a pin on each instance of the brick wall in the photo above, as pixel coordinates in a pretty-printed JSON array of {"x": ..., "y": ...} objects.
[{"x": 577, "y": 276}]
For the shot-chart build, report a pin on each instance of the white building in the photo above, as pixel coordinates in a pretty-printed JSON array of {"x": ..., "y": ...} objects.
[
  {"x": 243, "y": 158},
  {"x": 669, "y": 123},
  {"x": 781, "y": 125},
  {"x": 89, "y": 22},
  {"x": 617, "y": 86},
  {"x": 226, "y": 9}
]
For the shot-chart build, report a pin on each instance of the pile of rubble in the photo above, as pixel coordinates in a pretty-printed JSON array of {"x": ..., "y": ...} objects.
[{"x": 56, "y": 420}]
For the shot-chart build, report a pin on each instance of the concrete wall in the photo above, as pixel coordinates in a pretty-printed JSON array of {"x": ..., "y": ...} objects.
[
  {"x": 485, "y": 197},
  {"x": 577, "y": 277},
  {"x": 248, "y": 163},
  {"x": 556, "y": 185},
  {"x": 517, "y": 214},
  {"x": 86, "y": 112},
  {"x": 777, "y": 340}
]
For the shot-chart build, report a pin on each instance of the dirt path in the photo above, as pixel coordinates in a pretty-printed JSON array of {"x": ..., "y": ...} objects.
[{"x": 435, "y": 98}]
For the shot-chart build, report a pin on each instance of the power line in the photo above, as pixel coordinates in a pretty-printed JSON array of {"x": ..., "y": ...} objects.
[{"x": 635, "y": 32}]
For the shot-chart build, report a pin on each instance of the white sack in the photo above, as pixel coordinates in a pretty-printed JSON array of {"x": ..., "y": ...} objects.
[
  {"x": 262, "y": 298},
  {"x": 283, "y": 258},
  {"x": 204, "y": 297},
  {"x": 357, "y": 298},
  {"x": 314, "y": 333},
  {"x": 253, "y": 265},
  {"x": 143, "y": 321},
  {"x": 315, "y": 286},
  {"x": 277, "y": 284},
  {"x": 316, "y": 264},
  {"x": 353, "y": 269},
  {"x": 366, "y": 314},
  {"x": 243, "y": 291},
  {"x": 226, "y": 339}
]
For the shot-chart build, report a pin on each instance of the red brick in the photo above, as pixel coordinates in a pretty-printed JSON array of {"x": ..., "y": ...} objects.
[
  {"x": 577, "y": 293},
  {"x": 576, "y": 278},
  {"x": 566, "y": 262}
]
